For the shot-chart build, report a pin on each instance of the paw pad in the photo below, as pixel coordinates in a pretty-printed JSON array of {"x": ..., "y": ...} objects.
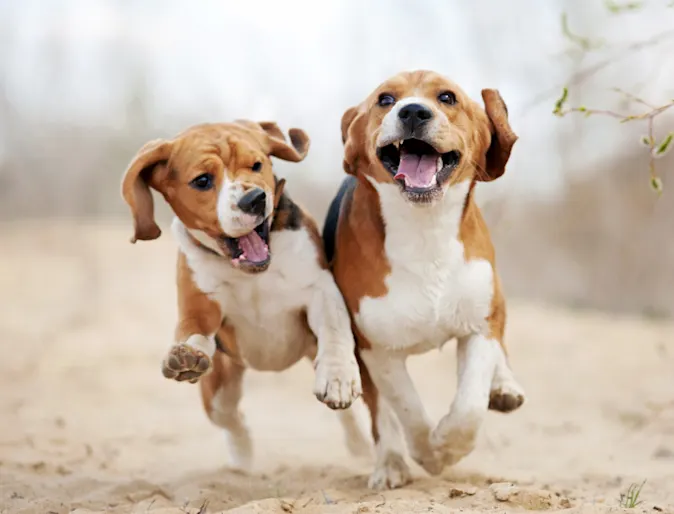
[{"x": 185, "y": 363}]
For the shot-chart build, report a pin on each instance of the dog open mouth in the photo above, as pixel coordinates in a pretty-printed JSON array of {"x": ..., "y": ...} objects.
[
  {"x": 251, "y": 251},
  {"x": 416, "y": 165}
]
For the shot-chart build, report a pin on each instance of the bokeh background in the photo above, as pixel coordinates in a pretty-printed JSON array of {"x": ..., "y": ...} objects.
[
  {"x": 84, "y": 83},
  {"x": 584, "y": 245}
]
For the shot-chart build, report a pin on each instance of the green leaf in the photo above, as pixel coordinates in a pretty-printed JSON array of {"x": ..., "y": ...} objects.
[
  {"x": 664, "y": 145},
  {"x": 647, "y": 141},
  {"x": 617, "y": 8},
  {"x": 559, "y": 104},
  {"x": 656, "y": 184}
]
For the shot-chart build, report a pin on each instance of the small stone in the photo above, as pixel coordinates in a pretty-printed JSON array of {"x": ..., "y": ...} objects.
[
  {"x": 529, "y": 498},
  {"x": 503, "y": 491},
  {"x": 461, "y": 491}
]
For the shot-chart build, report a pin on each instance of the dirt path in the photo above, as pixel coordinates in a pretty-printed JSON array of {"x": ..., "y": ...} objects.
[{"x": 87, "y": 422}]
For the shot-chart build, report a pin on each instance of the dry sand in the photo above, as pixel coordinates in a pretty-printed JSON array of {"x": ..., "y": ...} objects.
[{"x": 88, "y": 423}]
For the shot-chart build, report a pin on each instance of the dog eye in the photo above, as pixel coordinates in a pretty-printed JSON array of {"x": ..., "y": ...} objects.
[
  {"x": 257, "y": 166},
  {"x": 385, "y": 100},
  {"x": 203, "y": 182},
  {"x": 447, "y": 97}
]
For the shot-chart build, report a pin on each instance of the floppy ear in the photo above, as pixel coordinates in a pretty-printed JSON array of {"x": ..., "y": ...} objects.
[
  {"x": 347, "y": 120},
  {"x": 278, "y": 147},
  {"x": 502, "y": 136},
  {"x": 278, "y": 191},
  {"x": 136, "y": 190},
  {"x": 351, "y": 137}
]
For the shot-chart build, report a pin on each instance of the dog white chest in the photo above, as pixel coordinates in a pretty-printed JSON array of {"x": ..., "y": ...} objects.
[
  {"x": 267, "y": 310},
  {"x": 434, "y": 294}
]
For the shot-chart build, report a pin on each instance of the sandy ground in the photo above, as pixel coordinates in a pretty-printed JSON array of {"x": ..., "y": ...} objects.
[{"x": 88, "y": 424}]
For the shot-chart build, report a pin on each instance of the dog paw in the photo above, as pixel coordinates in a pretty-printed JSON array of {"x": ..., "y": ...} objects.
[
  {"x": 506, "y": 396},
  {"x": 455, "y": 437},
  {"x": 337, "y": 383},
  {"x": 240, "y": 450},
  {"x": 428, "y": 460},
  {"x": 185, "y": 363},
  {"x": 392, "y": 472}
]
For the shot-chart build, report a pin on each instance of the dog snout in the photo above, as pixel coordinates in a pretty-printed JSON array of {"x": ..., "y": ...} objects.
[
  {"x": 254, "y": 202},
  {"x": 413, "y": 116}
]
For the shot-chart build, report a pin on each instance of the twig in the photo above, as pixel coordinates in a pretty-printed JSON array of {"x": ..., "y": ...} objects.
[
  {"x": 617, "y": 8},
  {"x": 327, "y": 499},
  {"x": 582, "y": 75},
  {"x": 634, "y": 98},
  {"x": 656, "y": 150},
  {"x": 584, "y": 43},
  {"x": 204, "y": 506}
]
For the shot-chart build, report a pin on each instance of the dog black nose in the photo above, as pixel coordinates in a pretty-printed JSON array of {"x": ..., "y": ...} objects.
[
  {"x": 414, "y": 115},
  {"x": 253, "y": 202}
]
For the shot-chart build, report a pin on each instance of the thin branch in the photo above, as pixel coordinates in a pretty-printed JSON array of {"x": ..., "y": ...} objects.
[
  {"x": 582, "y": 75},
  {"x": 617, "y": 8},
  {"x": 632, "y": 97},
  {"x": 585, "y": 43},
  {"x": 656, "y": 150}
]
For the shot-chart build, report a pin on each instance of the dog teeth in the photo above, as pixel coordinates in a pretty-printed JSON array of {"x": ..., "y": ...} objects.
[
  {"x": 439, "y": 164},
  {"x": 397, "y": 144}
]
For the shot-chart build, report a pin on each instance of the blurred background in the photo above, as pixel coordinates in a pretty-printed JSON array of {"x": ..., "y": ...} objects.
[
  {"x": 585, "y": 246},
  {"x": 84, "y": 83}
]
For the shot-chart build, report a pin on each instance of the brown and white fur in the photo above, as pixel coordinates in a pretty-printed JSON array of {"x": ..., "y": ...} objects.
[
  {"x": 252, "y": 277},
  {"x": 413, "y": 259}
]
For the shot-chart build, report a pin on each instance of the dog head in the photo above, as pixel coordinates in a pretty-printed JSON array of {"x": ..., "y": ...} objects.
[
  {"x": 218, "y": 180},
  {"x": 420, "y": 131}
]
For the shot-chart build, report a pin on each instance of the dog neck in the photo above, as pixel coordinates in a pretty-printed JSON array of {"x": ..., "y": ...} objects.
[
  {"x": 441, "y": 219},
  {"x": 204, "y": 242}
]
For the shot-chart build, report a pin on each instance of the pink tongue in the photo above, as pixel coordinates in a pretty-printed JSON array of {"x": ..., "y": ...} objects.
[
  {"x": 253, "y": 247},
  {"x": 417, "y": 170}
]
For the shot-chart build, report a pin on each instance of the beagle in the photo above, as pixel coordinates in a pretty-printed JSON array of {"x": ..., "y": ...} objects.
[
  {"x": 413, "y": 259},
  {"x": 252, "y": 278}
]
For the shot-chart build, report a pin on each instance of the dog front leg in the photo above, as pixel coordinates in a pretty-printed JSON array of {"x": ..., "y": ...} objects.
[
  {"x": 455, "y": 435},
  {"x": 337, "y": 381},
  {"x": 391, "y": 378},
  {"x": 199, "y": 318}
]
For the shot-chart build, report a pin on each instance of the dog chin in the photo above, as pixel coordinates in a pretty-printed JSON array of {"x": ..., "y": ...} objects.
[
  {"x": 421, "y": 171},
  {"x": 422, "y": 195}
]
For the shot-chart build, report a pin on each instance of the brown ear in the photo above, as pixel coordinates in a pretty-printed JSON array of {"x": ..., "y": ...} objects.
[
  {"x": 136, "y": 190},
  {"x": 278, "y": 147},
  {"x": 278, "y": 191},
  {"x": 352, "y": 137},
  {"x": 502, "y": 136},
  {"x": 347, "y": 120}
]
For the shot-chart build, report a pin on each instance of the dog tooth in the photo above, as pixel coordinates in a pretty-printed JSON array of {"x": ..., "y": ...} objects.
[{"x": 439, "y": 164}]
